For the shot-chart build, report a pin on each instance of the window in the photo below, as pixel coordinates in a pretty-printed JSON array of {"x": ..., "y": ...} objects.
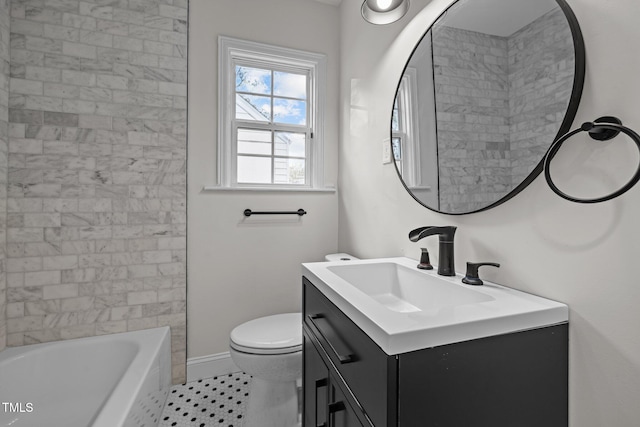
[
  {"x": 270, "y": 116},
  {"x": 404, "y": 130},
  {"x": 397, "y": 131}
]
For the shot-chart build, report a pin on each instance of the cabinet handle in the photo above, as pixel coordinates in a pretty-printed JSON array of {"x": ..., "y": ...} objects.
[
  {"x": 336, "y": 407},
  {"x": 343, "y": 358}
]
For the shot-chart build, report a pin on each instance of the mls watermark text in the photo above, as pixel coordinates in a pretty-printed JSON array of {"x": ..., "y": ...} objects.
[{"x": 17, "y": 407}]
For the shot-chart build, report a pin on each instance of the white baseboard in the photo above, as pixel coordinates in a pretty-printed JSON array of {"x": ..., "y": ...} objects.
[{"x": 210, "y": 366}]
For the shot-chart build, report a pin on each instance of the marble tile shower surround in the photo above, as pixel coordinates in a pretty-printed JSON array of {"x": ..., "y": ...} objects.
[
  {"x": 472, "y": 100},
  {"x": 498, "y": 100},
  {"x": 540, "y": 84},
  {"x": 96, "y": 193},
  {"x": 4, "y": 144}
]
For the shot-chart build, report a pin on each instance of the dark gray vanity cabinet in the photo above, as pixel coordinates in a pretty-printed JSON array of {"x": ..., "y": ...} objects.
[
  {"x": 513, "y": 380},
  {"x": 316, "y": 386},
  {"x": 325, "y": 402}
]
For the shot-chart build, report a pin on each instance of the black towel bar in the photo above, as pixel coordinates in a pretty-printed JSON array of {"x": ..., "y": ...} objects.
[{"x": 249, "y": 212}]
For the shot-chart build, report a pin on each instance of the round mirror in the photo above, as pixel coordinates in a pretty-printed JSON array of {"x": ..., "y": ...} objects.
[{"x": 485, "y": 92}]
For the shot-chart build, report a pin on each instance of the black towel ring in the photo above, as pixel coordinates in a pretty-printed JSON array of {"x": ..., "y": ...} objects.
[{"x": 602, "y": 129}]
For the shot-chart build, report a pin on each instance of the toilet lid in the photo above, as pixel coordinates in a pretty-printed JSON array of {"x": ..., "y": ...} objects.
[{"x": 280, "y": 333}]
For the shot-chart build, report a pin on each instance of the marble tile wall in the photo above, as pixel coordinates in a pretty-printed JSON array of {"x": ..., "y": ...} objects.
[
  {"x": 4, "y": 144},
  {"x": 472, "y": 100},
  {"x": 540, "y": 84},
  {"x": 96, "y": 206},
  {"x": 500, "y": 101}
]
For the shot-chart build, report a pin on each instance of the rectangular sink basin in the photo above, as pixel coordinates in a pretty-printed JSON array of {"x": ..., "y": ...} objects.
[
  {"x": 403, "y": 289},
  {"x": 405, "y": 309}
]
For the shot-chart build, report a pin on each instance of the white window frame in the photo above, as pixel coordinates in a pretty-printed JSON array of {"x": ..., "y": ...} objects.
[
  {"x": 408, "y": 128},
  {"x": 231, "y": 50}
]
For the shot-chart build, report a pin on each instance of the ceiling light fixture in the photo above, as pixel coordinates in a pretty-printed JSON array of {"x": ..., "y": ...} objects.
[{"x": 384, "y": 11}]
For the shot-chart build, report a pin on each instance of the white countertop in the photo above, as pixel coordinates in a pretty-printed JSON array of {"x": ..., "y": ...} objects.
[{"x": 456, "y": 312}]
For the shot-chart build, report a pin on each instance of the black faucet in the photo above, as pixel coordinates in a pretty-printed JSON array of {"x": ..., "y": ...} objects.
[{"x": 446, "y": 262}]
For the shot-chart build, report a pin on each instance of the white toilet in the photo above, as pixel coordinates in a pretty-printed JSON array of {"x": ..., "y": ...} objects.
[{"x": 270, "y": 350}]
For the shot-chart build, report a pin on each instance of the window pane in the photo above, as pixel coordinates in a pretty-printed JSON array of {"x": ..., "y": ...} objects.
[
  {"x": 289, "y": 171},
  {"x": 290, "y": 144},
  {"x": 253, "y": 80},
  {"x": 395, "y": 123},
  {"x": 250, "y": 107},
  {"x": 290, "y": 85},
  {"x": 254, "y": 141},
  {"x": 254, "y": 170},
  {"x": 396, "y": 146},
  {"x": 289, "y": 112}
]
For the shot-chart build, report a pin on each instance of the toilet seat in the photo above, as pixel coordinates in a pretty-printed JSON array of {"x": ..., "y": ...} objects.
[{"x": 277, "y": 334}]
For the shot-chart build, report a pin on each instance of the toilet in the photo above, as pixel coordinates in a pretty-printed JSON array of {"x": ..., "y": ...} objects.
[{"x": 270, "y": 350}]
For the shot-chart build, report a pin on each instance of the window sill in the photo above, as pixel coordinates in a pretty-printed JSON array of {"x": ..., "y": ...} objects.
[{"x": 270, "y": 189}]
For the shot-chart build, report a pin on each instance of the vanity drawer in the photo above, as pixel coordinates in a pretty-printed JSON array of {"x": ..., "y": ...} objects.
[{"x": 370, "y": 373}]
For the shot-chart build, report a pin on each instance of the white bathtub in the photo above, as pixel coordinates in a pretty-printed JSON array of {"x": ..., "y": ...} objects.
[{"x": 107, "y": 381}]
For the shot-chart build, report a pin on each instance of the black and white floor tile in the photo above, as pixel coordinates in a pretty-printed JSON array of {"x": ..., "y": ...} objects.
[{"x": 218, "y": 401}]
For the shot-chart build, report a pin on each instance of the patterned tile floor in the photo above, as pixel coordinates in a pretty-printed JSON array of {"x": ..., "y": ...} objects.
[{"x": 218, "y": 401}]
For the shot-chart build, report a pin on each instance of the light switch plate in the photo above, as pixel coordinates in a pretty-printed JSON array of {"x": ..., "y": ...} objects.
[{"x": 386, "y": 151}]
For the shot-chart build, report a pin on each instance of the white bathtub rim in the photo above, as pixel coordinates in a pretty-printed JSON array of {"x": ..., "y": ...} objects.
[
  {"x": 119, "y": 403},
  {"x": 131, "y": 382}
]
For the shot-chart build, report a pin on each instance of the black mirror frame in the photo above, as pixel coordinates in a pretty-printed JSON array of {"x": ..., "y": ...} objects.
[{"x": 572, "y": 108}]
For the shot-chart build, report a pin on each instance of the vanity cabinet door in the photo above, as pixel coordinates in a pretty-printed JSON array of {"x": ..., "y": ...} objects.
[
  {"x": 315, "y": 387},
  {"x": 341, "y": 414},
  {"x": 369, "y": 372},
  {"x": 518, "y": 379},
  {"x": 325, "y": 403}
]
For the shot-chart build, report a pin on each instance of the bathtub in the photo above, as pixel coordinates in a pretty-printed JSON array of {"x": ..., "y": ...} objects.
[{"x": 107, "y": 381}]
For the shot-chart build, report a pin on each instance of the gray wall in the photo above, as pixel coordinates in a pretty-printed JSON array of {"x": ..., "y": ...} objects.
[
  {"x": 582, "y": 255},
  {"x": 242, "y": 268},
  {"x": 4, "y": 143},
  {"x": 96, "y": 238}
]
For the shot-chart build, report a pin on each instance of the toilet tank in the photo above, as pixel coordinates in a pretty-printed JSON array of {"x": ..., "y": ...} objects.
[{"x": 340, "y": 257}]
